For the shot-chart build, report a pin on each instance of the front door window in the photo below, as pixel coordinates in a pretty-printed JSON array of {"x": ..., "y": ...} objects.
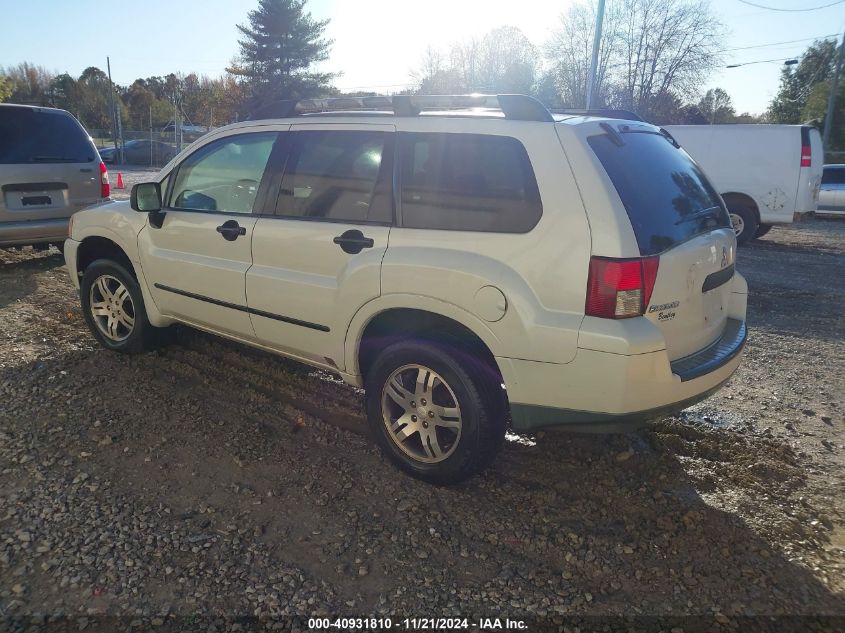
[{"x": 224, "y": 175}]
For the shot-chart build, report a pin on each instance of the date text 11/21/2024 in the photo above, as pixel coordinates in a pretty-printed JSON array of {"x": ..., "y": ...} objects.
[{"x": 417, "y": 624}]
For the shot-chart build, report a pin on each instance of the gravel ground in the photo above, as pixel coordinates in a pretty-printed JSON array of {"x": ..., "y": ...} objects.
[
  {"x": 207, "y": 486},
  {"x": 131, "y": 176}
]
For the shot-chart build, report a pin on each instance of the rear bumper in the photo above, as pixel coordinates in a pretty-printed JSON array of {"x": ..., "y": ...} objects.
[
  {"x": 602, "y": 391},
  {"x": 33, "y": 232}
]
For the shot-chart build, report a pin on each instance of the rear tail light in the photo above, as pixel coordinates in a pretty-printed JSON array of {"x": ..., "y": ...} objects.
[
  {"x": 806, "y": 156},
  {"x": 620, "y": 288},
  {"x": 105, "y": 187}
]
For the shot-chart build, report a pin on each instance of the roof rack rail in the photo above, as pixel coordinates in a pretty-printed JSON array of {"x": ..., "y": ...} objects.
[
  {"x": 608, "y": 113},
  {"x": 514, "y": 106}
]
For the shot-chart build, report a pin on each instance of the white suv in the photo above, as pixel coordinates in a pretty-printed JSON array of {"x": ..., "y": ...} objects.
[{"x": 474, "y": 266}]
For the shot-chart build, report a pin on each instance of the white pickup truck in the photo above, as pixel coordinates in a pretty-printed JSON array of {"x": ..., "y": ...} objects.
[{"x": 766, "y": 174}]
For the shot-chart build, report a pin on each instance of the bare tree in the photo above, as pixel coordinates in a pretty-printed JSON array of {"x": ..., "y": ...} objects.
[
  {"x": 465, "y": 62},
  {"x": 570, "y": 48},
  {"x": 502, "y": 61},
  {"x": 435, "y": 74},
  {"x": 508, "y": 61},
  {"x": 717, "y": 106},
  {"x": 666, "y": 46},
  {"x": 651, "y": 52}
]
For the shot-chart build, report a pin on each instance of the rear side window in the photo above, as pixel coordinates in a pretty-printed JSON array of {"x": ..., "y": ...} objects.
[
  {"x": 467, "y": 182},
  {"x": 666, "y": 195},
  {"x": 223, "y": 175},
  {"x": 833, "y": 176},
  {"x": 42, "y": 137},
  {"x": 333, "y": 175}
]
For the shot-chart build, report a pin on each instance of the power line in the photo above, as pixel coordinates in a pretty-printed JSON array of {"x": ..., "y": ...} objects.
[
  {"x": 761, "y": 6},
  {"x": 761, "y": 61},
  {"x": 806, "y": 39}
]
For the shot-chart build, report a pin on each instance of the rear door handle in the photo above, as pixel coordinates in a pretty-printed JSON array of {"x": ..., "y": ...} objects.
[
  {"x": 353, "y": 241},
  {"x": 230, "y": 230}
]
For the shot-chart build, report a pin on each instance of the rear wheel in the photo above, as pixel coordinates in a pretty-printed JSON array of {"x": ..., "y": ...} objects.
[
  {"x": 113, "y": 308},
  {"x": 437, "y": 418},
  {"x": 744, "y": 223}
]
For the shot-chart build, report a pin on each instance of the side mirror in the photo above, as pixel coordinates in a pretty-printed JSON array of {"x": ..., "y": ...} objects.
[{"x": 146, "y": 197}]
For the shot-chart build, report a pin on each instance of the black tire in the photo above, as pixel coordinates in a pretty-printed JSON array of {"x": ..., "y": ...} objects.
[
  {"x": 478, "y": 395},
  {"x": 142, "y": 336},
  {"x": 762, "y": 230},
  {"x": 60, "y": 246},
  {"x": 749, "y": 223}
]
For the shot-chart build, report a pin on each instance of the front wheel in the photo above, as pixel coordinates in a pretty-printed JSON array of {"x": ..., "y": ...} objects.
[
  {"x": 438, "y": 418},
  {"x": 113, "y": 308}
]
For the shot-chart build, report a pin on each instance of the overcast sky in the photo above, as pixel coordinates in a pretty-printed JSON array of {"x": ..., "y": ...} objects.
[{"x": 377, "y": 42}]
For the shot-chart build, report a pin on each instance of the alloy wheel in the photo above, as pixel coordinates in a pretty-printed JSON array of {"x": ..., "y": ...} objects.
[
  {"x": 112, "y": 308},
  {"x": 421, "y": 413}
]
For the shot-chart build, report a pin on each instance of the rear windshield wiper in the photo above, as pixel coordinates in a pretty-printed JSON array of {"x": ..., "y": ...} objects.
[
  {"x": 615, "y": 137},
  {"x": 698, "y": 214},
  {"x": 54, "y": 159}
]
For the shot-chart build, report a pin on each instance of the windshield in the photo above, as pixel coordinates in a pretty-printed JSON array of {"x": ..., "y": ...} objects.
[{"x": 666, "y": 195}]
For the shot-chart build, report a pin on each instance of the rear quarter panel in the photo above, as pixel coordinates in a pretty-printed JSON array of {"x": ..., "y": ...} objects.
[{"x": 542, "y": 274}]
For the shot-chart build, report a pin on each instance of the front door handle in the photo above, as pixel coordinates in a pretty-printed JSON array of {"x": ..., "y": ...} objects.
[
  {"x": 230, "y": 230},
  {"x": 353, "y": 241}
]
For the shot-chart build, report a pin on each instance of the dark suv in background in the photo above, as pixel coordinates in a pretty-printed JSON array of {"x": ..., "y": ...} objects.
[{"x": 49, "y": 169}]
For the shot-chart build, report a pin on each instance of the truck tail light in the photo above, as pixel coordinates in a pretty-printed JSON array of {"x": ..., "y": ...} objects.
[
  {"x": 105, "y": 187},
  {"x": 620, "y": 288},
  {"x": 806, "y": 148},
  {"x": 806, "y": 156}
]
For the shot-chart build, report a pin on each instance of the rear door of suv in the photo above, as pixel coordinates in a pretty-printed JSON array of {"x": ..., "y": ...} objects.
[
  {"x": 317, "y": 255},
  {"x": 49, "y": 168}
]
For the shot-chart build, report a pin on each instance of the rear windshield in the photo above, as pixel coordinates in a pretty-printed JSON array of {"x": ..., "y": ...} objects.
[
  {"x": 666, "y": 195},
  {"x": 30, "y": 136}
]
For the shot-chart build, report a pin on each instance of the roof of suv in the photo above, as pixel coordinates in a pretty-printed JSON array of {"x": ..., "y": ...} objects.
[{"x": 516, "y": 107}]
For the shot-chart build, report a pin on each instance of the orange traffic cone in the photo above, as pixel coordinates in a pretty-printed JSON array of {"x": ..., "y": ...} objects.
[{"x": 119, "y": 180}]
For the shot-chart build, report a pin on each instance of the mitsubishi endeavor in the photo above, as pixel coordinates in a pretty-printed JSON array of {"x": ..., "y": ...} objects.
[{"x": 473, "y": 262}]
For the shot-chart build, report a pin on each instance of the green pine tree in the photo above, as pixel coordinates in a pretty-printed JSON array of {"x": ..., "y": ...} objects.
[{"x": 279, "y": 49}]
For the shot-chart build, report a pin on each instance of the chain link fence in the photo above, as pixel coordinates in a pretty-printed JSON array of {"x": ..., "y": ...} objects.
[{"x": 149, "y": 148}]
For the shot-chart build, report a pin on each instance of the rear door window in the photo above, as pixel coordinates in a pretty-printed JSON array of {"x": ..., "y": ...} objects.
[
  {"x": 333, "y": 175},
  {"x": 666, "y": 195},
  {"x": 42, "y": 137},
  {"x": 467, "y": 182}
]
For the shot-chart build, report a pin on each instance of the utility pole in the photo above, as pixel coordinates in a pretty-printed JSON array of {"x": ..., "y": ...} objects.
[
  {"x": 113, "y": 109},
  {"x": 591, "y": 78},
  {"x": 831, "y": 101}
]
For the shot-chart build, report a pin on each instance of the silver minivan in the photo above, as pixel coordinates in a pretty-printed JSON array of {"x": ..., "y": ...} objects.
[{"x": 49, "y": 169}]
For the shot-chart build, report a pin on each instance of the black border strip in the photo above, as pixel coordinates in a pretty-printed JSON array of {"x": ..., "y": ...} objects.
[
  {"x": 719, "y": 278},
  {"x": 714, "y": 356},
  {"x": 235, "y": 306}
]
